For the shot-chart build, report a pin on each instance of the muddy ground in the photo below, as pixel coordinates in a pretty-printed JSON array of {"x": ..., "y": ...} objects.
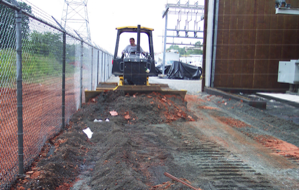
[{"x": 207, "y": 141}]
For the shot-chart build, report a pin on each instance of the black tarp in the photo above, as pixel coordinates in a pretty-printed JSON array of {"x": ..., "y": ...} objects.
[
  {"x": 159, "y": 69},
  {"x": 179, "y": 70}
]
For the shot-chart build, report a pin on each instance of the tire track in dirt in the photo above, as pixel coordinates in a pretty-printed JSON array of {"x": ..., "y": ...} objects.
[
  {"x": 227, "y": 128},
  {"x": 149, "y": 151}
]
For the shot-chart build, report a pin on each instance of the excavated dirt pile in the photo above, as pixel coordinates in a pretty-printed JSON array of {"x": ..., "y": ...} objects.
[
  {"x": 131, "y": 146},
  {"x": 142, "y": 109}
]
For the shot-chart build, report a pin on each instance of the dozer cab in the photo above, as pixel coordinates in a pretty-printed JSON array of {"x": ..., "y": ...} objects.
[{"x": 134, "y": 68}]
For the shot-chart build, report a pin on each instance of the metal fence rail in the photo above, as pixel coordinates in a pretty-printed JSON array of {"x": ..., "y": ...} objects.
[{"x": 44, "y": 71}]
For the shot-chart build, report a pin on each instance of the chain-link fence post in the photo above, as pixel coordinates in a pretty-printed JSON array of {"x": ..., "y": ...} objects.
[
  {"x": 63, "y": 73},
  {"x": 107, "y": 69},
  {"x": 103, "y": 68},
  {"x": 81, "y": 74},
  {"x": 109, "y": 65},
  {"x": 91, "y": 70},
  {"x": 19, "y": 89},
  {"x": 63, "y": 78},
  {"x": 98, "y": 61}
]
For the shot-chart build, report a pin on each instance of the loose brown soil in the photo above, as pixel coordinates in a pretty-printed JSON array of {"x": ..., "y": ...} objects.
[
  {"x": 152, "y": 134},
  {"x": 128, "y": 147},
  {"x": 233, "y": 122},
  {"x": 279, "y": 146},
  {"x": 41, "y": 113}
]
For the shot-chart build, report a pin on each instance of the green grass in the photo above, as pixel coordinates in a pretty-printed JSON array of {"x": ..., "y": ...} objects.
[
  {"x": 7, "y": 68},
  {"x": 35, "y": 68}
]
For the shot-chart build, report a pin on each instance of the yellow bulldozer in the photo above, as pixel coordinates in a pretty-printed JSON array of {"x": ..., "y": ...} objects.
[{"x": 134, "y": 68}]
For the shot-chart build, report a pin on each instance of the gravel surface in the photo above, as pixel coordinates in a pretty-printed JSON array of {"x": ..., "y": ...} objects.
[{"x": 278, "y": 119}]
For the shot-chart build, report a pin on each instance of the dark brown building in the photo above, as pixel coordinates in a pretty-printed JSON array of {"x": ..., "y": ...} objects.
[{"x": 247, "y": 41}]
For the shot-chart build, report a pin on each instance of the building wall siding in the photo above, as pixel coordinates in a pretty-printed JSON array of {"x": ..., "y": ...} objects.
[{"x": 251, "y": 41}]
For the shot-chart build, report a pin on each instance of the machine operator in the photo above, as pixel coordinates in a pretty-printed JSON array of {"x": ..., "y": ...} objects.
[{"x": 132, "y": 47}]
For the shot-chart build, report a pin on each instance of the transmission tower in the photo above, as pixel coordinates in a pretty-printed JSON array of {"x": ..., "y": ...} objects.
[{"x": 75, "y": 16}]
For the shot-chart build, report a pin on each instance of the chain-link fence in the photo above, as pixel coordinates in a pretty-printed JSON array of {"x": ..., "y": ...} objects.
[{"x": 44, "y": 71}]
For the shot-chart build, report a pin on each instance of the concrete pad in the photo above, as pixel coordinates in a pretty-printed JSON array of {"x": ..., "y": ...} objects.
[
  {"x": 256, "y": 104},
  {"x": 112, "y": 78},
  {"x": 192, "y": 86},
  {"x": 289, "y": 98}
]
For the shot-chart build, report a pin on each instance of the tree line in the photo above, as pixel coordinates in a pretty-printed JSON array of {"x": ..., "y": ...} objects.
[
  {"x": 8, "y": 24},
  {"x": 196, "y": 50},
  {"x": 42, "y": 43}
]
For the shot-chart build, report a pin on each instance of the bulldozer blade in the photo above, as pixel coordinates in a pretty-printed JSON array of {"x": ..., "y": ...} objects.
[{"x": 133, "y": 89}]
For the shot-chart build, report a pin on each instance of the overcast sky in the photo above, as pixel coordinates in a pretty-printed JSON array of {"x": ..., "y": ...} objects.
[{"x": 105, "y": 16}]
